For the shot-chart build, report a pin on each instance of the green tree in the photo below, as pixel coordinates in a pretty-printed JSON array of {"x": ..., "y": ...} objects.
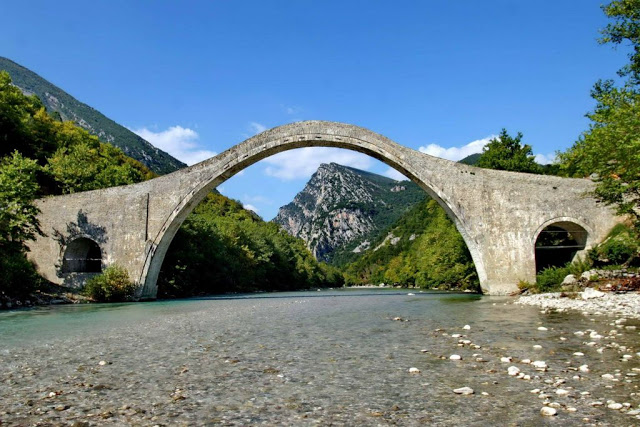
[
  {"x": 609, "y": 150},
  {"x": 18, "y": 189},
  {"x": 507, "y": 153},
  {"x": 625, "y": 28},
  {"x": 18, "y": 223}
]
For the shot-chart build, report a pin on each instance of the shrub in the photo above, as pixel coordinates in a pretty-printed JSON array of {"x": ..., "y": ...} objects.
[
  {"x": 621, "y": 248},
  {"x": 551, "y": 278},
  {"x": 18, "y": 277},
  {"x": 111, "y": 286}
]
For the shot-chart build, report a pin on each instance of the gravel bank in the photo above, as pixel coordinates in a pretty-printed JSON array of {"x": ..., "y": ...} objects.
[{"x": 591, "y": 302}]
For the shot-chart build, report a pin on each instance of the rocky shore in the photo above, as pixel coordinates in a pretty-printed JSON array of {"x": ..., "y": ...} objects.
[
  {"x": 49, "y": 294},
  {"x": 595, "y": 292},
  {"x": 589, "y": 302}
]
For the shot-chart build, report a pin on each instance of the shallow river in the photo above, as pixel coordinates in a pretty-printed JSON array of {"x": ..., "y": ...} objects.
[{"x": 306, "y": 358}]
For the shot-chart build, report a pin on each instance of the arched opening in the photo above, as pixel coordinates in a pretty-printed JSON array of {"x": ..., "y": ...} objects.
[
  {"x": 559, "y": 243},
  {"x": 425, "y": 171},
  {"x": 82, "y": 255},
  {"x": 395, "y": 264}
]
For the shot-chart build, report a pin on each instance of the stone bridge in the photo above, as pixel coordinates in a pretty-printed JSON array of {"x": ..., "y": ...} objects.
[{"x": 499, "y": 214}]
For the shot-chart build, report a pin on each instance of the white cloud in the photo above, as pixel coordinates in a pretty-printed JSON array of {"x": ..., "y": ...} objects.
[
  {"x": 257, "y": 128},
  {"x": 456, "y": 153},
  {"x": 250, "y": 207},
  {"x": 394, "y": 174},
  {"x": 293, "y": 109},
  {"x": 545, "y": 159},
  {"x": 257, "y": 199},
  {"x": 180, "y": 142},
  {"x": 301, "y": 163}
]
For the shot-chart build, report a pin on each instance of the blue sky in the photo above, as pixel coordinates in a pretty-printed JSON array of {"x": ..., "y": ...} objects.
[{"x": 197, "y": 77}]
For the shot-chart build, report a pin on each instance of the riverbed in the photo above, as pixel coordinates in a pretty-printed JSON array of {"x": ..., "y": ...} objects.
[{"x": 339, "y": 357}]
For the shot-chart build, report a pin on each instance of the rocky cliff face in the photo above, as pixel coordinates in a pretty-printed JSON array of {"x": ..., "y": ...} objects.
[{"x": 342, "y": 209}]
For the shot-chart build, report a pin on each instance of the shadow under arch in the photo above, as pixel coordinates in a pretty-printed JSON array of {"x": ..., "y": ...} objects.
[
  {"x": 560, "y": 240},
  {"x": 218, "y": 169}
]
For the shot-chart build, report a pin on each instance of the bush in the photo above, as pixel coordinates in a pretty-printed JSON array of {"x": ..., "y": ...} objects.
[
  {"x": 18, "y": 277},
  {"x": 620, "y": 248},
  {"x": 111, "y": 286},
  {"x": 550, "y": 279}
]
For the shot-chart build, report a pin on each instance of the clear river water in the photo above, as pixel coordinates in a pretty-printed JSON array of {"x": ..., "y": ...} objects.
[{"x": 332, "y": 357}]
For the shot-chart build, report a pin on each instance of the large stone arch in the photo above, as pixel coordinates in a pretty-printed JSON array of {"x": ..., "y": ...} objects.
[
  {"x": 288, "y": 137},
  {"x": 498, "y": 213}
]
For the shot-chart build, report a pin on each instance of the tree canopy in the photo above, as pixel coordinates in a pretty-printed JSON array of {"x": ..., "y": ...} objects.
[
  {"x": 507, "y": 153},
  {"x": 609, "y": 151}
]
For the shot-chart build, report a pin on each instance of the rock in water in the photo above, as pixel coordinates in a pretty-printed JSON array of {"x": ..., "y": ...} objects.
[
  {"x": 513, "y": 370},
  {"x": 548, "y": 412},
  {"x": 464, "y": 390},
  {"x": 414, "y": 370},
  {"x": 539, "y": 364}
]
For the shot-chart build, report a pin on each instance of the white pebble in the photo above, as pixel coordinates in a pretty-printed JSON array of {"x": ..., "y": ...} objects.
[
  {"x": 548, "y": 412},
  {"x": 414, "y": 370},
  {"x": 513, "y": 370},
  {"x": 525, "y": 361},
  {"x": 562, "y": 392},
  {"x": 102, "y": 363},
  {"x": 467, "y": 327},
  {"x": 539, "y": 364},
  {"x": 607, "y": 376},
  {"x": 578, "y": 353},
  {"x": 455, "y": 357},
  {"x": 614, "y": 406},
  {"x": 537, "y": 346},
  {"x": 505, "y": 359},
  {"x": 463, "y": 390},
  {"x": 542, "y": 328}
]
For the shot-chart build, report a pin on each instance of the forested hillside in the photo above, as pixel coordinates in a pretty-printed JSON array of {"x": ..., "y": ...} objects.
[
  {"x": 422, "y": 249},
  {"x": 65, "y": 107},
  {"x": 220, "y": 248}
]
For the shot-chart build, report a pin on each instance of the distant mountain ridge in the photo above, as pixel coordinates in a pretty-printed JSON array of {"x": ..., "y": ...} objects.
[
  {"x": 58, "y": 101},
  {"x": 342, "y": 210}
]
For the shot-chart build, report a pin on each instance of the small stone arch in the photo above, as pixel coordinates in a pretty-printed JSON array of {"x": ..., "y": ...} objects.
[
  {"x": 559, "y": 241},
  {"x": 82, "y": 255}
]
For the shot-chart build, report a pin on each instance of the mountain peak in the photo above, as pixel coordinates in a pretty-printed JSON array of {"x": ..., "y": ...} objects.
[{"x": 342, "y": 206}]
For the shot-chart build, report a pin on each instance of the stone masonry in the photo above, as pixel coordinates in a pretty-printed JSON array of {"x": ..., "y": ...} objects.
[{"x": 499, "y": 214}]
